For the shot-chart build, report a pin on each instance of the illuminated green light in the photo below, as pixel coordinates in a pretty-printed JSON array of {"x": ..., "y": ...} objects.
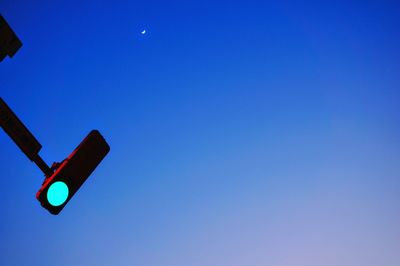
[{"x": 57, "y": 193}]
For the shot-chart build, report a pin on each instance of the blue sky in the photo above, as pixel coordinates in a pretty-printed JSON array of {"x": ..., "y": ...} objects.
[{"x": 241, "y": 133}]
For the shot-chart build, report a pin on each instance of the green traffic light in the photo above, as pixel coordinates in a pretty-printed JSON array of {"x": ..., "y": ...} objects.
[{"x": 57, "y": 193}]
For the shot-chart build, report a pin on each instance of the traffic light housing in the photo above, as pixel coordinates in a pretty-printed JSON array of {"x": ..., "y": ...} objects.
[
  {"x": 58, "y": 188},
  {"x": 9, "y": 42}
]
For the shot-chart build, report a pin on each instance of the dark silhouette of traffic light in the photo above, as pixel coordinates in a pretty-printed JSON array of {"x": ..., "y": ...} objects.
[
  {"x": 64, "y": 179},
  {"x": 9, "y": 42},
  {"x": 70, "y": 174}
]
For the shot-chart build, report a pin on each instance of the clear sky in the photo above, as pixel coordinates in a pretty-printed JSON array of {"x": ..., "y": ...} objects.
[{"x": 242, "y": 133}]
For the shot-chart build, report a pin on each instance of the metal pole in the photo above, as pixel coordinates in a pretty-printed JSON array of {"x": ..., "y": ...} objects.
[
  {"x": 21, "y": 135},
  {"x": 42, "y": 165}
]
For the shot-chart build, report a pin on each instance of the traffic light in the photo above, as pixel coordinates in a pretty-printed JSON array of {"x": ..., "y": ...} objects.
[
  {"x": 58, "y": 189},
  {"x": 63, "y": 179},
  {"x": 9, "y": 42}
]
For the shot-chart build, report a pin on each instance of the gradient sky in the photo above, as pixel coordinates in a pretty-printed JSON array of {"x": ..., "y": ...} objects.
[{"x": 242, "y": 134}]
